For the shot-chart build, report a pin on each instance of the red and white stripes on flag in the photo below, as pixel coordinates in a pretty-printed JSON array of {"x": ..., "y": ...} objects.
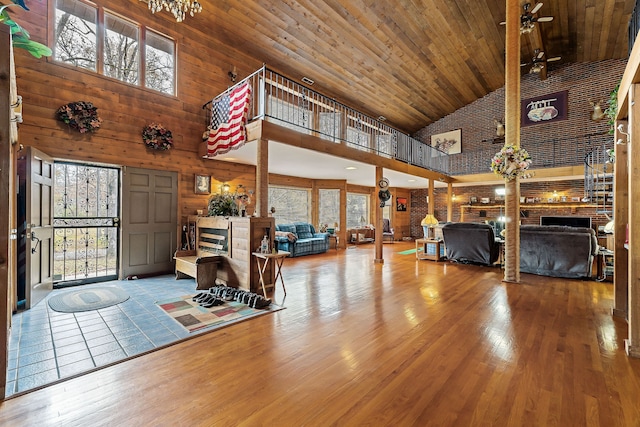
[{"x": 228, "y": 118}]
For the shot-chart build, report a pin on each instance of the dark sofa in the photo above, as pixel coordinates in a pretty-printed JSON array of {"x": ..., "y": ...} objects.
[
  {"x": 300, "y": 238},
  {"x": 470, "y": 242},
  {"x": 557, "y": 251}
]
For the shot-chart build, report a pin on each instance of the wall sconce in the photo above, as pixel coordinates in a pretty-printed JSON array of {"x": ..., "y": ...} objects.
[
  {"x": 453, "y": 197},
  {"x": 225, "y": 187}
]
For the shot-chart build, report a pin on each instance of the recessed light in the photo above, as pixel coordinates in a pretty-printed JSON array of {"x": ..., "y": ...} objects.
[
  {"x": 411, "y": 180},
  {"x": 307, "y": 80},
  {"x": 351, "y": 168},
  {"x": 381, "y": 118}
]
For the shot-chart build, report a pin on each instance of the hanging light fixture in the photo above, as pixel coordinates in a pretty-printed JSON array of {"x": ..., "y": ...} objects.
[{"x": 178, "y": 8}]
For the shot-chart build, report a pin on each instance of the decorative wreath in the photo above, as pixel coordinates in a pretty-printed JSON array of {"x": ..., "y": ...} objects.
[
  {"x": 80, "y": 115},
  {"x": 511, "y": 162},
  {"x": 157, "y": 137}
]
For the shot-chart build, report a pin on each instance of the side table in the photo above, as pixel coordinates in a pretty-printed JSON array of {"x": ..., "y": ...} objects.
[
  {"x": 278, "y": 259},
  {"x": 431, "y": 249},
  {"x": 336, "y": 240}
]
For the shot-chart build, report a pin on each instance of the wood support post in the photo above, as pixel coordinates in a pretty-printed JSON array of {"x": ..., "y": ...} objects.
[
  {"x": 262, "y": 178},
  {"x": 632, "y": 344},
  {"x": 431, "y": 206},
  {"x": 377, "y": 218},
  {"x": 449, "y": 202},
  {"x": 512, "y": 137},
  {"x": 620, "y": 215}
]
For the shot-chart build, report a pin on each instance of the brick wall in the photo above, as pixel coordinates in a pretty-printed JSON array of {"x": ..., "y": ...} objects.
[
  {"x": 550, "y": 144},
  {"x": 531, "y": 212},
  {"x": 557, "y": 142}
]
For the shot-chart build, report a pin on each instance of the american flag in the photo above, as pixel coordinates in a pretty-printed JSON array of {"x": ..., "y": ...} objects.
[{"x": 228, "y": 117}]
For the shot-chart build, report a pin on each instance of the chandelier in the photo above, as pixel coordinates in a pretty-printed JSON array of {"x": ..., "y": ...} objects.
[{"x": 178, "y": 8}]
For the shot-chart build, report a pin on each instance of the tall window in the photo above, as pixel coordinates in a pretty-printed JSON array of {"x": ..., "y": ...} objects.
[
  {"x": 291, "y": 204},
  {"x": 160, "y": 63},
  {"x": 329, "y": 207},
  {"x": 75, "y": 33},
  {"x": 76, "y": 43},
  {"x": 121, "y": 49},
  {"x": 357, "y": 210}
]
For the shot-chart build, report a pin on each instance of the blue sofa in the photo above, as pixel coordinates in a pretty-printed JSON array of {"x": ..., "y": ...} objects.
[{"x": 300, "y": 238}]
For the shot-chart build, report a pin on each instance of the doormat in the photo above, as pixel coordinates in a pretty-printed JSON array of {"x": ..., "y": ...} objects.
[
  {"x": 194, "y": 318},
  {"x": 87, "y": 299},
  {"x": 410, "y": 251}
]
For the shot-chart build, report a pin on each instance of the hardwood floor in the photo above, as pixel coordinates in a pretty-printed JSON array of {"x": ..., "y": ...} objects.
[{"x": 404, "y": 343}]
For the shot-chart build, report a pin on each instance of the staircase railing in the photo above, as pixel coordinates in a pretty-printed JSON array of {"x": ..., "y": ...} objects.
[
  {"x": 290, "y": 104},
  {"x": 598, "y": 178}
]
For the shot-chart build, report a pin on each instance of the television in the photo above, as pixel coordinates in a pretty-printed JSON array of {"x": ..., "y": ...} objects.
[{"x": 571, "y": 221}]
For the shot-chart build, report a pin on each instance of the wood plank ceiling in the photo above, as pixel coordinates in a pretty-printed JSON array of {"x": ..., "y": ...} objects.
[{"x": 412, "y": 61}]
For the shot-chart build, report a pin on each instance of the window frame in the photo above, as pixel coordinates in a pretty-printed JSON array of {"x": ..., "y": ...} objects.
[{"x": 100, "y": 36}]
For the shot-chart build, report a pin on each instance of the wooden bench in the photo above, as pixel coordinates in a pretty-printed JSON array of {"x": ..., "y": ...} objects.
[{"x": 201, "y": 262}]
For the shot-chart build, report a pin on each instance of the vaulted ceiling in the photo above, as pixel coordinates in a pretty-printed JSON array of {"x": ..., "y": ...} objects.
[{"x": 412, "y": 61}]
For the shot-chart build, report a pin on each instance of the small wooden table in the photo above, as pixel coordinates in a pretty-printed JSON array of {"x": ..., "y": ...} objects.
[
  {"x": 334, "y": 237},
  {"x": 430, "y": 249},
  {"x": 278, "y": 258}
]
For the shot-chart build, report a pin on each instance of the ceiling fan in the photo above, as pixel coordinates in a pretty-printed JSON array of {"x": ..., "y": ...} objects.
[
  {"x": 539, "y": 61},
  {"x": 527, "y": 20}
]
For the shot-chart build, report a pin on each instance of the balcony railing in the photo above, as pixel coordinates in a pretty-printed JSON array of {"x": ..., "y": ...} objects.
[
  {"x": 549, "y": 153},
  {"x": 287, "y": 103}
]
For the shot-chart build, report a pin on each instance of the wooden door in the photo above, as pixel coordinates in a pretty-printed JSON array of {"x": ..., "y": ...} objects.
[
  {"x": 38, "y": 236},
  {"x": 149, "y": 221}
]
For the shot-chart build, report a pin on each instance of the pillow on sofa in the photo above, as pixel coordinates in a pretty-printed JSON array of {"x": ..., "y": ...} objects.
[{"x": 290, "y": 236}]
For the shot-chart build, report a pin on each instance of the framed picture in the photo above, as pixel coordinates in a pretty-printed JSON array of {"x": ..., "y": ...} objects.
[
  {"x": 447, "y": 142},
  {"x": 401, "y": 204},
  {"x": 473, "y": 199},
  {"x": 203, "y": 184}
]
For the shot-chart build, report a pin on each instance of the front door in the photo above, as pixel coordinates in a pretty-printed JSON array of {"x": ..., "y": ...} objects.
[
  {"x": 38, "y": 229},
  {"x": 149, "y": 221}
]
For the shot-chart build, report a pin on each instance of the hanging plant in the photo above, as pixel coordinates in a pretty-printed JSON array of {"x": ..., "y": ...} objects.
[
  {"x": 511, "y": 162},
  {"x": 157, "y": 137},
  {"x": 80, "y": 115},
  {"x": 612, "y": 109}
]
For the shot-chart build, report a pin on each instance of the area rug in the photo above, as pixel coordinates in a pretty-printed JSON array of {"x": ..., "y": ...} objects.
[
  {"x": 195, "y": 318},
  {"x": 410, "y": 251},
  {"x": 87, "y": 299}
]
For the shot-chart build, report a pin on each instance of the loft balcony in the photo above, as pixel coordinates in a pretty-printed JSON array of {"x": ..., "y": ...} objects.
[{"x": 311, "y": 135}]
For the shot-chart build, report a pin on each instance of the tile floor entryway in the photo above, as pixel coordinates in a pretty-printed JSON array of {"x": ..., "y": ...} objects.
[{"x": 46, "y": 345}]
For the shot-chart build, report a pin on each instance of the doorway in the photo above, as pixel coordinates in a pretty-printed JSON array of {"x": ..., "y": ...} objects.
[{"x": 86, "y": 216}]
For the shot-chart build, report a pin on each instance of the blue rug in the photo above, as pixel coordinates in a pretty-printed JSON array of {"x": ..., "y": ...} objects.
[{"x": 87, "y": 299}]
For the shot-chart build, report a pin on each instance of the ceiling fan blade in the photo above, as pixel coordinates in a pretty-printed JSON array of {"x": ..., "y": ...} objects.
[
  {"x": 545, "y": 19},
  {"x": 536, "y": 8},
  {"x": 540, "y": 55},
  {"x": 555, "y": 58}
]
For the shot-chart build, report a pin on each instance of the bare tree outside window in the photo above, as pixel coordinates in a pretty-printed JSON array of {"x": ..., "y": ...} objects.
[
  {"x": 291, "y": 204},
  {"x": 357, "y": 209},
  {"x": 121, "y": 50},
  {"x": 76, "y": 25},
  {"x": 160, "y": 63},
  {"x": 75, "y": 35}
]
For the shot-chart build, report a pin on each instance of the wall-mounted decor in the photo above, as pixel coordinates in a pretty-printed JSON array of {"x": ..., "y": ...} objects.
[
  {"x": 157, "y": 137},
  {"x": 401, "y": 204},
  {"x": 447, "y": 142},
  {"x": 203, "y": 184},
  {"x": 544, "y": 109},
  {"x": 80, "y": 115}
]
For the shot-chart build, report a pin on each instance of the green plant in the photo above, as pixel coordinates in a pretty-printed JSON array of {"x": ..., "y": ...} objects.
[
  {"x": 19, "y": 36},
  {"x": 612, "y": 109},
  {"x": 223, "y": 204}
]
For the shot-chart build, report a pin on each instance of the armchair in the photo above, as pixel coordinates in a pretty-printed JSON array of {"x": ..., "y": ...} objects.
[{"x": 387, "y": 231}]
